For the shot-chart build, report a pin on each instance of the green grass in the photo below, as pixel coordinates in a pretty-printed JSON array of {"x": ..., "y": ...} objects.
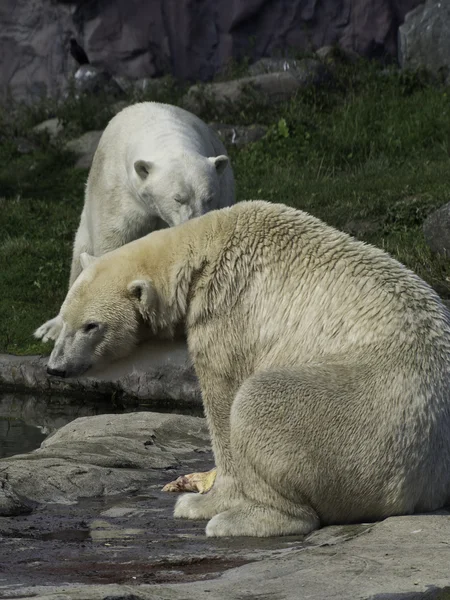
[{"x": 368, "y": 154}]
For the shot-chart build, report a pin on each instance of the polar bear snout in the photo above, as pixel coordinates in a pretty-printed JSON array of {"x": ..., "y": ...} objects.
[{"x": 56, "y": 372}]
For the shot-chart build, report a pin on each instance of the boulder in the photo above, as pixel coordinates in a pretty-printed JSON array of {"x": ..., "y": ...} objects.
[
  {"x": 239, "y": 135},
  {"x": 424, "y": 38},
  {"x": 191, "y": 40},
  {"x": 93, "y": 80},
  {"x": 11, "y": 504},
  {"x": 269, "y": 88},
  {"x": 272, "y": 65},
  {"x": 84, "y": 147},
  {"x": 100, "y": 456},
  {"x": 53, "y": 127},
  {"x": 436, "y": 229},
  {"x": 158, "y": 375}
]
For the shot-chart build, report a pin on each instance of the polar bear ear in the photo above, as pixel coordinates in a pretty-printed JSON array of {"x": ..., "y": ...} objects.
[
  {"x": 86, "y": 260},
  {"x": 220, "y": 163},
  {"x": 142, "y": 168},
  {"x": 144, "y": 291}
]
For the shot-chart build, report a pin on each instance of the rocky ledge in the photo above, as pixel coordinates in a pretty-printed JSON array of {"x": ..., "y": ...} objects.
[
  {"x": 158, "y": 376},
  {"x": 90, "y": 522}
]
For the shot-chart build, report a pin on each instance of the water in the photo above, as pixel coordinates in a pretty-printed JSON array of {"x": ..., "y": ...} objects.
[
  {"x": 17, "y": 437},
  {"x": 25, "y": 421}
]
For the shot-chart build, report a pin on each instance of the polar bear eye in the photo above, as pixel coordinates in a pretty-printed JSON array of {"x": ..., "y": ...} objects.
[
  {"x": 180, "y": 199},
  {"x": 90, "y": 327}
]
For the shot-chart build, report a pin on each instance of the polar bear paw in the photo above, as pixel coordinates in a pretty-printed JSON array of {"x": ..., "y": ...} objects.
[
  {"x": 256, "y": 520},
  {"x": 190, "y": 506},
  {"x": 50, "y": 330}
]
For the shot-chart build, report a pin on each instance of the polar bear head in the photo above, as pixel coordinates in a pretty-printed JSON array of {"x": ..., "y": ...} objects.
[
  {"x": 109, "y": 309},
  {"x": 186, "y": 186}
]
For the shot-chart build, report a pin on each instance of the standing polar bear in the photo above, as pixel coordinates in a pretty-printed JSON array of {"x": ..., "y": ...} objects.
[
  {"x": 156, "y": 166},
  {"x": 324, "y": 364}
]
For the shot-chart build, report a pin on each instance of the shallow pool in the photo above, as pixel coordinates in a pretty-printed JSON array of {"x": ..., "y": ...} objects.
[
  {"x": 25, "y": 421},
  {"x": 17, "y": 437}
]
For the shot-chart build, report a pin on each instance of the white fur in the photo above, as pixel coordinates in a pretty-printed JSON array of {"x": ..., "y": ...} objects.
[
  {"x": 324, "y": 364},
  {"x": 156, "y": 166}
]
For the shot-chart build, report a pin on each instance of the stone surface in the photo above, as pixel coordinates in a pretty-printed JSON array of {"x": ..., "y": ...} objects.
[
  {"x": 51, "y": 126},
  {"x": 111, "y": 556},
  {"x": 335, "y": 54},
  {"x": 239, "y": 135},
  {"x": 272, "y": 65},
  {"x": 157, "y": 375},
  {"x": 84, "y": 147},
  {"x": 191, "y": 40},
  {"x": 103, "y": 455},
  {"x": 436, "y": 229},
  {"x": 268, "y": 88},
  {"x": 11, "y": 504},
  {"x": 93, "y": 80},
  {"x": 424, "y": 38}
]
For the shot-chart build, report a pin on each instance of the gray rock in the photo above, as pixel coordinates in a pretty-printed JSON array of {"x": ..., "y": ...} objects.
[
  {"x": 239, "y": 135},
  {"x": 335, "y": 54},
  {"x": 93, "y": 80},
  {"x": 272, "y": 65},
  {"x": 84, "y": 147},
  {"x": 401, "y": 558},
  {"x": 158, "y": 375},
  {"x": 11, "y": 504},
  {"x": 51, "y": 126},
  {"x": 146, "y": 85},
  {"x": 436, "y": 229},
  {"x": 424, "y": 38},
  {"x": 103, "y": 455},
  {"x": 190, "y": 40},
  {"x": 269, "y": 88},
  {"x": 24, "y": 145}
]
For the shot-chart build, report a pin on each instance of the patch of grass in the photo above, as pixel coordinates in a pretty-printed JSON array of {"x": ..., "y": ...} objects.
[{"x": 369, "y": 154}]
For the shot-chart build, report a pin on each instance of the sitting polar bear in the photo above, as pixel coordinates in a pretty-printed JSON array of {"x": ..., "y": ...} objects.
[
  {"x": 156, "y": 165},
  {"x": 324, "y": 364}
]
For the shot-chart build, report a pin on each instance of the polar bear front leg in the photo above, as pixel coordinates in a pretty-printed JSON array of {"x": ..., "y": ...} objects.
[
  {"x": 225, "y": 493},
  {"x": 50, "y": 330}
]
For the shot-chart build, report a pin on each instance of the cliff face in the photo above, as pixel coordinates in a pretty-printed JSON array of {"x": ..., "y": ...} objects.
[{"x": 192, "y": 39}]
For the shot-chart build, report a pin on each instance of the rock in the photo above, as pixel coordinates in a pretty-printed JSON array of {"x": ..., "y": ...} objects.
[
  {"x": 270, "y": 88},
  {"x": 93, "y": 80},
  {"x": 239, "y": 135},
  {"x": 158, "y": 375},
  {"x": 436, "y": 230},
  {"x": 147, "y": 85},
  {"x": 53, "y": 127},
  {"x": 11, "y": 504},
  {"x": 335, "y": 54},
  {"x": 103, "y": 455},
  {"x": 272, "y": 65},
  {"x": 84, "y": 147},
  {"x": 191, "y": 40},
  {"x": 24, "y": 145},
  {"x": 401, "y": 558},
  {"x": 424, "y": 38}
]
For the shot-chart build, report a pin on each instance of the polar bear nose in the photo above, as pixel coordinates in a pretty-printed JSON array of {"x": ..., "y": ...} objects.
[{"x": 56, "y": 372}]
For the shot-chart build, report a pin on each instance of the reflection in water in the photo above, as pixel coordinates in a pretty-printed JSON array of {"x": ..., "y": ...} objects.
[
  {"x": 25, "y": 421},
  {"x": 17, "y": 437}
]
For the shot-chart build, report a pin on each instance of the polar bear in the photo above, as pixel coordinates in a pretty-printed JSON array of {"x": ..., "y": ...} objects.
[
  {"x": 324, "y": 364},
  {"x": 156, "y": 166}
]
